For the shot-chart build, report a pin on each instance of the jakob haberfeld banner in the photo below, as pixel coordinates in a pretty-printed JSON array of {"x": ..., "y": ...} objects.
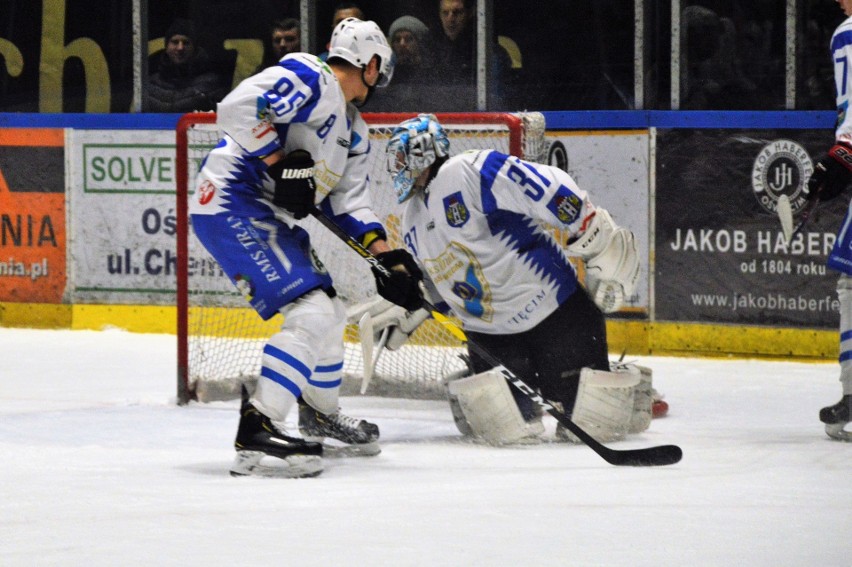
[{"x": 720, "y": 254}]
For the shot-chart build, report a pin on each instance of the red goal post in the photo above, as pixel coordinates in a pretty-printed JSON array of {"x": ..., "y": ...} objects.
[{"x": 220, "y": 338}]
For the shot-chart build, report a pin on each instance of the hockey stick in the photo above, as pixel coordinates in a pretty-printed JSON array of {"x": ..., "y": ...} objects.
[
  {"x": 365, "y": 334},
  {"x": 785, "y": 215},
  {"x": 650, "y": 456}
]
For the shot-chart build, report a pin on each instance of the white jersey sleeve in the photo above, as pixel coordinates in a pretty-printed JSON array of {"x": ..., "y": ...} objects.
[
  {"x": 841, "y": 54},
  {"x": 349, "y": 202}
]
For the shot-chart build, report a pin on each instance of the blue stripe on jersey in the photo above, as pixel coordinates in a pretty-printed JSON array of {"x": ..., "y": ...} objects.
[
  {"x": 845, "y": 336},
  {"x": 487, "y": 175},
  {"x": 288, "y": 359},
  {"x": 350, "y": 224},
  {"x": 534, "y": 249},
  {"x": 841, "y": 40},
  {"x": 311, "y": 78}
]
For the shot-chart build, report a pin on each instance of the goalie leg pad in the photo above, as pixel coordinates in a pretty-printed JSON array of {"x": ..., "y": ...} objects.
[
  {"x": 490, "y": 410},
  {"x": 643, "y": 401},
  {"x": 605, "y": 404}
]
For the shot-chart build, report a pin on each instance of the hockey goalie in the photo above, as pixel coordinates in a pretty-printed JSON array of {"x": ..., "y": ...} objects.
[{"x": 477, "y": 224}]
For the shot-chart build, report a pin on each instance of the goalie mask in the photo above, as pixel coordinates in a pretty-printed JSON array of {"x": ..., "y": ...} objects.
[
  {"x": 357, "y": 41},
  {"x": 414, "y": 145}
]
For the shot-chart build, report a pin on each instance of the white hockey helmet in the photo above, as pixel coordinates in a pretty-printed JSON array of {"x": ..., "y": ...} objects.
[
  {"x": 357, "y": 41},
  {"x": 414, "y": 145}
]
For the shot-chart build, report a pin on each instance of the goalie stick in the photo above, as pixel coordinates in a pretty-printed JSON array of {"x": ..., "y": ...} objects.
[{"x": 649, "y": 456}]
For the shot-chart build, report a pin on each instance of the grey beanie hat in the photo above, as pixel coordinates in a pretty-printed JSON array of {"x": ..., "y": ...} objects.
[{"x": 409, "y": 23}]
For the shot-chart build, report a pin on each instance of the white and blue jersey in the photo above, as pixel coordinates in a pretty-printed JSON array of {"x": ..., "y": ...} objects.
[
  {"x": 480, "y": 231},
  {"x": 295, "y": 105},
  {"x": 840, "y": 258}
]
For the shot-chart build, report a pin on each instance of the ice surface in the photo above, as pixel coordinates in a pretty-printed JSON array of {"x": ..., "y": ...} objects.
[{"x": 100, "y": 467}]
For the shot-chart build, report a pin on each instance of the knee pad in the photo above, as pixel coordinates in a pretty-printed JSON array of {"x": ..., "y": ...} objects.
[
  {"x": 311, "y": 335},
  {"x": 323, "y": 321}
]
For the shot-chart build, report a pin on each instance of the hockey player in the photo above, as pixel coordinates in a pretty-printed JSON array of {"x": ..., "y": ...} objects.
[
  {"x": 474, "y": 223},
  {"x": 293, "y": 139},
  {"x": 832, "y": 174}
]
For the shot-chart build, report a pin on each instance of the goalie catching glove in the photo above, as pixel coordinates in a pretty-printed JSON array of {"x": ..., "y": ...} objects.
[
  {"x": 832, "y": 174},
  {"x": 612, "y": 263},
  {"x": 386, "y": 315},
  {"x": 295, "y": 187}
]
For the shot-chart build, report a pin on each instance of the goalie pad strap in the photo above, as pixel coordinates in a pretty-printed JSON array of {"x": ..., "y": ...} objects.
[{"x": 490, "y": 409}]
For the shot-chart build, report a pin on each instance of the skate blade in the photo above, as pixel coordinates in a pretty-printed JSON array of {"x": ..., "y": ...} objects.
[
  {"x": 836, "y": 431},
  {"x": 257, "y": 463},
  {"x": 342, "y": 450}
]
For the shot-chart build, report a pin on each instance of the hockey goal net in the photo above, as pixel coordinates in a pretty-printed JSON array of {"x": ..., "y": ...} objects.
[{"x": 220, "y": 338}]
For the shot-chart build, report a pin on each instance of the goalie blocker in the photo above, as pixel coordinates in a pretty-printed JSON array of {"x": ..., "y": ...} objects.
[{"x": 611, "y": 260}]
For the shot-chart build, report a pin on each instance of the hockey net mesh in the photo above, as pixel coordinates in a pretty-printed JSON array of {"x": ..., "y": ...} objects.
[{"x": 224, "y": 338}]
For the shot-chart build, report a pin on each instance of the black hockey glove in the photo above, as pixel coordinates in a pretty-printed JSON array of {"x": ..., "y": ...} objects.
[
  {"x": 295, "y": 187},
  {"x": 832, "y": 174},
  {"x": 403, "y": 286}
]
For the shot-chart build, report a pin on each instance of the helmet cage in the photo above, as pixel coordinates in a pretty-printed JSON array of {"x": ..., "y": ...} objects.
[{"x": 414, "y": 146}]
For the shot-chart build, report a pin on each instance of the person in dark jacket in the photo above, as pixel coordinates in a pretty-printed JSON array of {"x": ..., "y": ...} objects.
[{"x": 185, "y": 80}]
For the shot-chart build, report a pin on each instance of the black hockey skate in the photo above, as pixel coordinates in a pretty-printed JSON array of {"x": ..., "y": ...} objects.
[
  {"x": 836, "y": 417},
  {"x": 257, "y": 438},
  {"x": 360, "y": 437}
]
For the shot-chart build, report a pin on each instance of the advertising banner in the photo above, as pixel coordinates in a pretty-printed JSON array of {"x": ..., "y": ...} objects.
[
  {"x": 612, "y": 166},
  {"x": 720, "y": 253},
  {"x": 32, "y": 215},
  {"x": 122, "y": 202}
]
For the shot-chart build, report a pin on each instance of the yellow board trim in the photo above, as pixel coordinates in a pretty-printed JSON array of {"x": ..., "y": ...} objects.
[{"x": 636, "y": 338}]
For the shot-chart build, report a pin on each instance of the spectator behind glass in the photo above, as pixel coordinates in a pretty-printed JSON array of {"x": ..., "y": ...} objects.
[
  {"x": 455, "y": 57},
  {"x": 185, "y": 80},
  {"x": 711, "y": 71},
  {"x": 285, "y": 37},
  {"x": 341, "y": 12},
  {"x": 414, "y": 84}
]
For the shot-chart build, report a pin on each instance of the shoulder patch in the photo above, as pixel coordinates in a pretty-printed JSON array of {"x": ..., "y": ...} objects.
[
  {"x": 455, "y": 210},
  {"x": 565, "y": 205}
]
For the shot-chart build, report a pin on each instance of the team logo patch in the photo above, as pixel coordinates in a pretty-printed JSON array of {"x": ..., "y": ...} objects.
[
  {"x": 206, "y": 192},
  {"x": 455, "y": 210},
  {"x": 781, "y": 168},
  {"x": 565, "y": 205}
]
